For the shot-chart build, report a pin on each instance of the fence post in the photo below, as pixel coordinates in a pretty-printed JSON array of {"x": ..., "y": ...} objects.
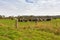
[{"x": 16, "y": 23}]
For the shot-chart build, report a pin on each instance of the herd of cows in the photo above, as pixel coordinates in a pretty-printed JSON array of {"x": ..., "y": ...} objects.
[
  {"x": 32, "y": 18},
  {"x": 35, "y": 18}
]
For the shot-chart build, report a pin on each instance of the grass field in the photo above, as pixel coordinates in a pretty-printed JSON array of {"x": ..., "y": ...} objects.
[{"x": 44, "y": 30}]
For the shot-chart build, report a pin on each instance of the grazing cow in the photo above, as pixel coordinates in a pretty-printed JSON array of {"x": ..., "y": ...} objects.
[
  {"x": 29, "y": 20},
  {"x": 20, "y": 20},
  {"x": 25, "y": 20},
  {"x": 48, "y": 19},
  {"x": 40, "y": 19}
]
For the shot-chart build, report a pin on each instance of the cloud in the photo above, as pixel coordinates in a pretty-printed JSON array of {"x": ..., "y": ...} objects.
[{"x": 23, "y": 7}]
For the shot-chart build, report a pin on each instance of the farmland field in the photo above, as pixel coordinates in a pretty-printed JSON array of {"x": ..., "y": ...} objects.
[{"x": 43, "y": 30}]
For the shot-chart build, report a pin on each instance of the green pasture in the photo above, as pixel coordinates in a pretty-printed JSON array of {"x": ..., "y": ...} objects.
[{"x": 43, "y": 30}]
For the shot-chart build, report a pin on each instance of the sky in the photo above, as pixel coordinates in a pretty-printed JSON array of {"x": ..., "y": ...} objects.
[{"x": 29, "y": 7}]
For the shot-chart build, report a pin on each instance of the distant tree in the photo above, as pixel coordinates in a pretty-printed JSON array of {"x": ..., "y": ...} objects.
[
  {"x": 2, "y": 16},
  {"x": 11, "y": 17}
]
